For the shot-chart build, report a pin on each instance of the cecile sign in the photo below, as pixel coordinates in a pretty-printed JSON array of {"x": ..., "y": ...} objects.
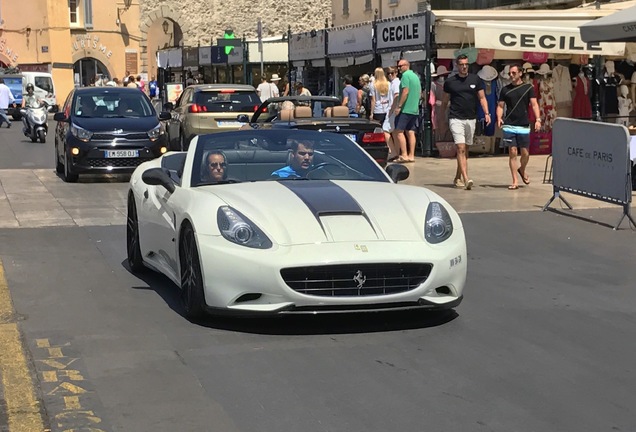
[
  {"x": 558, "y": 41},
  {"x": 402, "y": 32}
]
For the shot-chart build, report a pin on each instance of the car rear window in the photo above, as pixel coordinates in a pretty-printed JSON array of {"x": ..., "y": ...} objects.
[{"x": 227, "y": 100}]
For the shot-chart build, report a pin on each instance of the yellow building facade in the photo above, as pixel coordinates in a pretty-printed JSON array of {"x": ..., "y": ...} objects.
[{"x": 77, "y": 41}]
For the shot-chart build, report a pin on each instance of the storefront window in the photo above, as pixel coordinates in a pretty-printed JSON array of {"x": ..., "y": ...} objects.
[{"x": 72, "y": 11}]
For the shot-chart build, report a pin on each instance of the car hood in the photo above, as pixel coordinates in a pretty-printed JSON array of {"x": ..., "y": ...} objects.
[
  {"x": 317, "y": 211},
  {"x": 126, "y": 124}
]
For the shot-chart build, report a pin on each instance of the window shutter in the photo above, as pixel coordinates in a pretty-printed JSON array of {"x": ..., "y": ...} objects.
[{"x": 88, "y": 13}]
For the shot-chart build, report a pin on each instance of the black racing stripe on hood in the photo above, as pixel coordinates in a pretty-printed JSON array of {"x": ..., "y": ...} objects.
[{"x": 324, "y": 197}]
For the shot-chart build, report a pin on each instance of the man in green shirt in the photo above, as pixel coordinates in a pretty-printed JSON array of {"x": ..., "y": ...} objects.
[{"x": 407, "y": 111}]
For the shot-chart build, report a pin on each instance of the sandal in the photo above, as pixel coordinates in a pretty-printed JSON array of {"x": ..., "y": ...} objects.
[
  {"x": 525, "y": 179},
  {"x": 513, "y": 187}
]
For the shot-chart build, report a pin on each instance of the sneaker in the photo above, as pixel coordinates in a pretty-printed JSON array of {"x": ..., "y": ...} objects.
[
  {"x": 459, "y": 183},
  {"x": 9, "y": 125},
  {"x": 469, "y": 185}
]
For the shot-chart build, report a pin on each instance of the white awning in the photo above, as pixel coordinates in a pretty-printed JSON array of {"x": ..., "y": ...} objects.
[{"x": 550, "y": 36}]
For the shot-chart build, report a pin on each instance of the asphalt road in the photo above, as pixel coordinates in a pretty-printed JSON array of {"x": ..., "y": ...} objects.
[
  {"x": 17, "y": 151},
  {"x": 542, "y": 341}
]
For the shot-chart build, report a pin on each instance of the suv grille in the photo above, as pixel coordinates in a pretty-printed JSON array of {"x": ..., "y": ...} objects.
[
  {"x": 110, "y": 137},
  {"x": 116, "y": 162},
  {"x": 356, "y": 279}
]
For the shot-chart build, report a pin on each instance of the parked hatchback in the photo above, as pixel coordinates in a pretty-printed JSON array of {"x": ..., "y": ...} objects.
[
  {"x": 107, "y": 130},
  {"x": 208, "y": 108}
]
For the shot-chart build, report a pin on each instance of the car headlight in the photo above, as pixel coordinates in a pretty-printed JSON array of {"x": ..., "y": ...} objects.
[
  {"x": 238, "y": 229},
  {"x": 438, "y": 226},
  {"x": 154, "y": 133},
  {"x": 81, "y": 133}
]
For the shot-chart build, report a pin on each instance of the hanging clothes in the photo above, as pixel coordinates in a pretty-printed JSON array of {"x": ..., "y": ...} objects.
[
  {"x": 547, "y": 107},
  {"x": 535, "y": 84},
  {"x": 581, "y": 105},
  {"x": 441, "y": 115},
  {"x": 562, "y": 90},
  {"x": 490, "y": 91}
]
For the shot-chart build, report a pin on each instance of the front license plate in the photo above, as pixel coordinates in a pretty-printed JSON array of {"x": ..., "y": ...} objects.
[
  {"x": 229, "y": 124},
  {"x": 121, "y": 153},
  {"x": 352, "y": 137}
]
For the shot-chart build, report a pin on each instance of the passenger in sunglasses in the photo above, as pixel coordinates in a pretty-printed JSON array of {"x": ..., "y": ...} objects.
[{"x": 302, "y": 157}]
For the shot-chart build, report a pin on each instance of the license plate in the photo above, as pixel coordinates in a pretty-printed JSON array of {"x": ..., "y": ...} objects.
[
  {"x": 229, "y": 124},
  {"x": 122, "y": 153},
  {"x": 352, "y": 137}
]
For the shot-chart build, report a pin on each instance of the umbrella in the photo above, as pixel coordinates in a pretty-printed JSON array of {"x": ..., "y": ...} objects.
[{"x": 617, "y": 27}]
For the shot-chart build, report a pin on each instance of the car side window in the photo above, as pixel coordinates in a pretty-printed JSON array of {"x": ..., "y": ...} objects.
[{"x": 67, "y": 104}]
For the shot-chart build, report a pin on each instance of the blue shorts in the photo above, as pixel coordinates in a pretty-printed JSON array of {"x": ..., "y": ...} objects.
[
  {"x": 406, "y": 122},
  {"x": 511, "y": 139}
]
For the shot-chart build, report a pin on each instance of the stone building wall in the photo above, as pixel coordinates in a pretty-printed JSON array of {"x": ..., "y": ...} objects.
[{"x": 203, "y": 21}]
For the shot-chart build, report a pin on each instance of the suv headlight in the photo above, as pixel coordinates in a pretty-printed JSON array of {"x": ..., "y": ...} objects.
[
  {"x": 238, "y": 229},
  {"x": 80, "y": 133},
  {"x": 154, "y": 133},
  {"x": 438, "y": 226}
]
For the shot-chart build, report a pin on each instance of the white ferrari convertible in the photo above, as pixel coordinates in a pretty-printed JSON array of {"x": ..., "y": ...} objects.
[{"x": 288, "y": 221}]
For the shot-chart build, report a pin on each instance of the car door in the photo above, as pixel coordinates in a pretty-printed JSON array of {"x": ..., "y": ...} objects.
[
  {"x": 61, "y": 129},
  {"x": 178, "y": 116},
  {"x": 160, "y": 235}
]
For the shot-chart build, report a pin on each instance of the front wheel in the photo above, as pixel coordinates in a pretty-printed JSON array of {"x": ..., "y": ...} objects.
[
  {"x": 133, "y": 248},
  {"x": 59, "y": 167},
  {"x": 68, "y": 176},
  {"x": 192, "y": 295},
  {"x": 42, "y": 136}
]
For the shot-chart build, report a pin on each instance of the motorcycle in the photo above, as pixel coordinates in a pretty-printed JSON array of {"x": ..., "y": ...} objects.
[{"x": 36, "y": 126}]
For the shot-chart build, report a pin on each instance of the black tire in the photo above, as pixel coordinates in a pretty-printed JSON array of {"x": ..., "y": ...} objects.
[
  {"x": 34, "y": 139},
  {"x": 192, "y": 295},
  {"x": 133, "y": 249},
  {"x": 42, "y": 136},
  {"x": 59, "y": 167},
  {"x": 67, "y": 175}
]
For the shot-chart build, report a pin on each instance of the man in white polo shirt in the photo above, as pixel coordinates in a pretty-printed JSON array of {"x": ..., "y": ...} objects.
[{"x": 6, "y": 98}]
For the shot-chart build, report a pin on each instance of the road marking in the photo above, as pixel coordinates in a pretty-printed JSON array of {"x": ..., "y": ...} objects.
[{"x": 23, "y": 407}]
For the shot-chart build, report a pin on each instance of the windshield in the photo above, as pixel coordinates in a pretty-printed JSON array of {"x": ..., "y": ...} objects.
[
  {"x": 45, "y": 83},
  {"x": 15, "y": 85},
  {"x": 129, "y": 104},
  {"x": 282, "y": 155},
  {"x": 227, "y": 100}
]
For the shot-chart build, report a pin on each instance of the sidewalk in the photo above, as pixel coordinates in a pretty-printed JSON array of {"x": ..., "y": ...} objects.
[{"x": 490, "y": 192}]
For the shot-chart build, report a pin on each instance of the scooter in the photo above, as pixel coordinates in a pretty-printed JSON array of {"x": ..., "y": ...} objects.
[{"x": 36, "y": 123}]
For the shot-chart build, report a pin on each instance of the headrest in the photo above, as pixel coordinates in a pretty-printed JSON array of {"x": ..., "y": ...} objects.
[
  {"x": 328, "y": 111},
  {"x": 340, "y": 111},
  {"x": 286, "y": 115},
  {"x": 302, "y": 112}
]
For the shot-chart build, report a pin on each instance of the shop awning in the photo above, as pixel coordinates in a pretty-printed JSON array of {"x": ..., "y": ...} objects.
[
  {"x": 562, "y": 36},
  {"x": 620, "y": 26}
]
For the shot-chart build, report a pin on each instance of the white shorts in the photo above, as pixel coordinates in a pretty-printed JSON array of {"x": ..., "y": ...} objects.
[
  {"x": 389, "y": 123},
  {"x": 463, "y": 130}
]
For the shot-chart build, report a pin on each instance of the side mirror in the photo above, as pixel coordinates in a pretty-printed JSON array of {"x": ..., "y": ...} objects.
[
  {"x": 243, "y": 118},
  {"x": 168, "y": 106},
  {"x": 165, "y": 115},
  {"x": 22, "y": 111},
  {"x": 59, "y": 117},
  {"x": 158, "y": 177},
  {"x": 397, "y": 172}
]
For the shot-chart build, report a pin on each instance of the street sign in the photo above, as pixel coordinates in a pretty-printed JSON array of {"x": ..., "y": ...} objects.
[{"x": 218, "y": 55}]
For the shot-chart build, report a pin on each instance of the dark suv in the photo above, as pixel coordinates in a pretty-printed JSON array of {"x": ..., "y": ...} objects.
[{"x": 107, "y": 130}]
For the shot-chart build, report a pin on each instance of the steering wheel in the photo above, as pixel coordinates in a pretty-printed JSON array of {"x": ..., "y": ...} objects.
[{"x": 339, "y": 172}]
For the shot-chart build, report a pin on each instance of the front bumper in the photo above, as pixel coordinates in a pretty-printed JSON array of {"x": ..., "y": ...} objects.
[
  {"x": 230, "y": 287},
  {"x": 91, "y": 157}
]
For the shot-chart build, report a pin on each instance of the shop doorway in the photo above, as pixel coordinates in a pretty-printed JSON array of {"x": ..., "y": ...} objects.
[{"x": 88, "y": 70}]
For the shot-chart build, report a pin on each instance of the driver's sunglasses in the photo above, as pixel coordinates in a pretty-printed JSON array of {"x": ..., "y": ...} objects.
[
  {"x": 304, "y": 153},
  {"x": 218, "y": 164}
]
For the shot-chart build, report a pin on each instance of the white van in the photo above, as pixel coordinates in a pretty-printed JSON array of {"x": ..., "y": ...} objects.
[{"x": 43, "y": 87}]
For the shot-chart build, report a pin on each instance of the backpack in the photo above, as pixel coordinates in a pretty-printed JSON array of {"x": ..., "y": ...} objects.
[{"x": 366, "y": 102}]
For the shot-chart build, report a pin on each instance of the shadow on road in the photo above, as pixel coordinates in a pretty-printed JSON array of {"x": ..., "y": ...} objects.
[{"x": 371, "y": 322}]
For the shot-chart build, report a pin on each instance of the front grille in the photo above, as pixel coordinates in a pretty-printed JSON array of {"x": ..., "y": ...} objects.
[
  {"x": 115, "y": 162},
  {"x": 110, "y": 137},
  {"x": 356, "y": 279}
]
